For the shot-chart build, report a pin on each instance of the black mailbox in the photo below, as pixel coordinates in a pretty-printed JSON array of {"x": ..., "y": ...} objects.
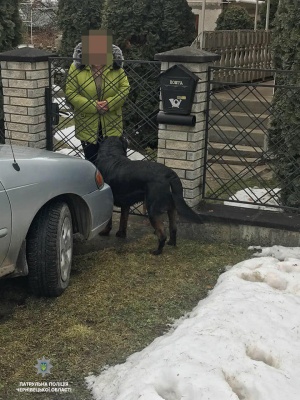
[{"x": 178, "y": 86}]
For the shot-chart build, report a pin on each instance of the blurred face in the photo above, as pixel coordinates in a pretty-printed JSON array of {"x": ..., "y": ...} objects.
[{"x": 97, "y": 48}]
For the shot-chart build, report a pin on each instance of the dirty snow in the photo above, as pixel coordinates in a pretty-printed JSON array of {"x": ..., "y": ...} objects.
[
  {"x": 241, "y": 342},
  {"x": 264, "y": 199}
]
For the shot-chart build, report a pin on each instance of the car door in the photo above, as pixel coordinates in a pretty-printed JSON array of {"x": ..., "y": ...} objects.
[{"x": 5, "y": 223}]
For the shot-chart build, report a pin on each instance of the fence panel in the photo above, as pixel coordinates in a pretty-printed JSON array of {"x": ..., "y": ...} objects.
[{"x": 242, "y": 168}]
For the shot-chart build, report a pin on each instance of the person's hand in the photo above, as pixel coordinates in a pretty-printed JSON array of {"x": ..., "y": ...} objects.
[{"x": 102, "y": 106}]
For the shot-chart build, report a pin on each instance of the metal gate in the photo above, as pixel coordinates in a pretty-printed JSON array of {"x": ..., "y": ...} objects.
[
  {"x": 240, "y": 167},
  {"x": 139, "y": 111}
]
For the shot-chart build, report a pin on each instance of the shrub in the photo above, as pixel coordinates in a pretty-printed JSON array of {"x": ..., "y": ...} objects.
[
  {"x": 10, "y": 36},
  {"x": 233, "y": 18},
  {"x": 284, "y": 133},
  {"x": 75, "y": 18},
  {"x": 143, "y": 28},
  {"x": 263, "y": 11}
]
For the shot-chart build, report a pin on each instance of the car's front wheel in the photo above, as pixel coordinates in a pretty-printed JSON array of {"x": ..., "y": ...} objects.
[{"x": 49, "y": 250}]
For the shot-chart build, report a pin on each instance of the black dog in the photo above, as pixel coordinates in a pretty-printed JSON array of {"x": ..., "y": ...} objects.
[{"x": 137, "y": 181}]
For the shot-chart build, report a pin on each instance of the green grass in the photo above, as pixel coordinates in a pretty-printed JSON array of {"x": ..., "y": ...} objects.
[{"x": 118, "y": 301}]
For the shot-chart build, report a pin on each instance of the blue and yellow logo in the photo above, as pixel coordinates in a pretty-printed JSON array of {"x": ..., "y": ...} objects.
[{"x": 43, "y": 366}]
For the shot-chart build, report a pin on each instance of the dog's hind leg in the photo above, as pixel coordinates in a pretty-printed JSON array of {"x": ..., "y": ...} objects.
[
  {"x": 123, "y": 222},
  {"x": 158, "y": 225},
  {"x": 107, "y": 229},
  {"x": 172, "y": 226}
]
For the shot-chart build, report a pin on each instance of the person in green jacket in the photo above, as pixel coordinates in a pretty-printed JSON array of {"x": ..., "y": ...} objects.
[{"x": 97, "y": 87}]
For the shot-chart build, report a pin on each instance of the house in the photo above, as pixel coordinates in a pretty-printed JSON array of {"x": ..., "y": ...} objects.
[
  {"x": 37, "y": 14},
  {"x": 40, "y": 19},
  {"x": 212, "y": 10}
]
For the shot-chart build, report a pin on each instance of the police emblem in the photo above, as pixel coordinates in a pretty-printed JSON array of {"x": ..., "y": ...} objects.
[{"x": 43, "y": 366}]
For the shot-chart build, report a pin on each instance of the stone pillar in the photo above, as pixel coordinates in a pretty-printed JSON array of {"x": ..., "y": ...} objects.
[
  {"x": 182, "y": 147},
  {"x": 24, "y": 74}
]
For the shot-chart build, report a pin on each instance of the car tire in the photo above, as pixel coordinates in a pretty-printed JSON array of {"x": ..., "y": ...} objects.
[{"x": 49, "y": 250}]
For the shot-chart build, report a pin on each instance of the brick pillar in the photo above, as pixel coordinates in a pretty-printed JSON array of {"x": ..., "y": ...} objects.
[
  {"x": 24, "y": 74},
  {"x": 182, "y": 147}
]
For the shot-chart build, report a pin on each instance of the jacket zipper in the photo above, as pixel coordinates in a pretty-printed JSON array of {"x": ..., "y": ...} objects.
[
  {"x": 102, "y": 124},
  {"x": 99, "y": 119}
]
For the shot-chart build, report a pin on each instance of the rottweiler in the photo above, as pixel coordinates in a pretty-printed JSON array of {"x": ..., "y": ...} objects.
[{"x": 138, "y": 181}]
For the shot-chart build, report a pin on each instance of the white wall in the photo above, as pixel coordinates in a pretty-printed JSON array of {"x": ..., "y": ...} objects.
[{"x": 212, "y": 11}]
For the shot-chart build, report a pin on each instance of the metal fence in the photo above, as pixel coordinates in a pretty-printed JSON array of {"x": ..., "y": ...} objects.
[
  {"x": 139, "y": 111},
  {"x": 241, "y": 166}
]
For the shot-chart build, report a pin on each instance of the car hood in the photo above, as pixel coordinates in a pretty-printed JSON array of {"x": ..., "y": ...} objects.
[
  {"x": 25, "y": 153},
  {"x": 42, "y": 167}
]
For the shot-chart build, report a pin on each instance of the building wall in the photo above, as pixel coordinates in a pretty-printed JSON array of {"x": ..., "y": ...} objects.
[{"x": 212, "y": 11}]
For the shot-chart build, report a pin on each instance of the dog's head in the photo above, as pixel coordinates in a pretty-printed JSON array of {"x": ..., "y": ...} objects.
[{"x": 113, "y": 146}]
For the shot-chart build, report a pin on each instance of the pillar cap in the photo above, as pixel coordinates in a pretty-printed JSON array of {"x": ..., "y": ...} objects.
[
  {"x": 187, "y": 54},
  {"x": 25, "y": 54}
]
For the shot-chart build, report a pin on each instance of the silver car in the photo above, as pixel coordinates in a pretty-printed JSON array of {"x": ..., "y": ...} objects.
[{"x": 45, "y": 197}]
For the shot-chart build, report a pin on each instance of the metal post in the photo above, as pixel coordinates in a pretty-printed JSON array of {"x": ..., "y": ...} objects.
[
  {"x": 256, "y": 15},
  {"x": 31, "y": 36},
  {"x": 268, "y": 15},
  {"x": 48, "y": 110},
  {"x": 202, "y": 23}
]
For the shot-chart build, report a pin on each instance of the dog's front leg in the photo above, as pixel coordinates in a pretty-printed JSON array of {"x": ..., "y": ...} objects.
[{"x": 123, "y": 222}]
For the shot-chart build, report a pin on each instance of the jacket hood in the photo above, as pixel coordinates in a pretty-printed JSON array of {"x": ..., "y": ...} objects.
[{"x": 116, "y": 52}]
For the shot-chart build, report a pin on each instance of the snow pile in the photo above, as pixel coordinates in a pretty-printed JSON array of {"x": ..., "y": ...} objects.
[
  {"x": 71, "y": 152},
  {"x": 265, "y": 197},
  {"x": 134, "y": 155},
  {"x": 56, "y": 89},
  {"x": 279, "y": 252},
  {"x": 67, "y": 135},
  {"x": 241, "y": 342}
]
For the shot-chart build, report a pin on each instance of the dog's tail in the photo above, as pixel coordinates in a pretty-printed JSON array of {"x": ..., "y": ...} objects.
[{"x": 182, "y": 208}]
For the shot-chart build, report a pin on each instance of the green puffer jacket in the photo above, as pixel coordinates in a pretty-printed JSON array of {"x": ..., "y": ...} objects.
[{"x": 81, "y": 92}]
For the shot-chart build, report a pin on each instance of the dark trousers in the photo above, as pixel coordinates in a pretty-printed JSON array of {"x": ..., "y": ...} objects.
[{"x": 90, "y": 151}]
